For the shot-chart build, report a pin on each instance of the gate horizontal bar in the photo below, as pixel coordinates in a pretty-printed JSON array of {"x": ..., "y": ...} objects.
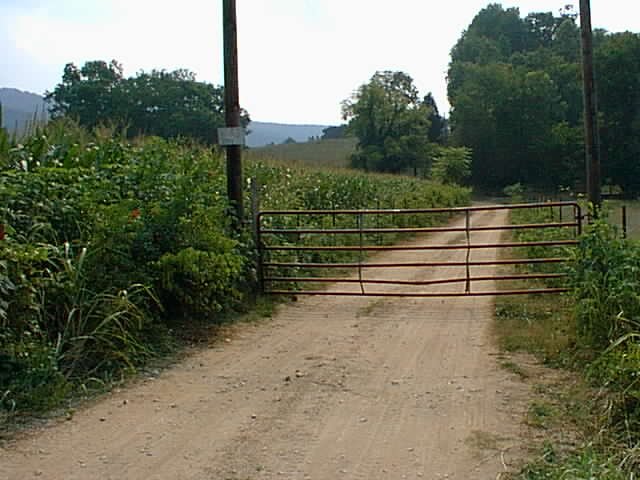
[
  {"x": 540, "y": 276},
  {"x": 355, "y": 231},
  {"x": 499, "y": 293},
  {"x": 532, "y": 261},
  {"x": 574, "y": 221},
  {"x": 417, "y": 248},
  {"x": 489, "y": 208}
]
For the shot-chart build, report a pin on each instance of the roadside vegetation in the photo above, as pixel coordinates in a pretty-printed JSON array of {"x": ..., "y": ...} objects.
[
  {"x": 589, "y": 410},
  {"x": 108, "y": 248}
]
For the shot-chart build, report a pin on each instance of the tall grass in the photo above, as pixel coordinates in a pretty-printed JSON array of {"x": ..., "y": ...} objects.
[{"x": 603, "y": 344}]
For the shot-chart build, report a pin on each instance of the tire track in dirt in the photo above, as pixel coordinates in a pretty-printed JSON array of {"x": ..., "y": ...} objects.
[{"x": 332, "y": 387}]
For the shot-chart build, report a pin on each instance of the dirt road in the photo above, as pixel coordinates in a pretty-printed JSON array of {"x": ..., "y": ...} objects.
[{"x": 330, "y": 388}]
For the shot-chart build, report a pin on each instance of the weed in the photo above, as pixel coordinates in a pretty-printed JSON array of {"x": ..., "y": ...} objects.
[
  {"x": 595, "y": 331},
  {"x": 540, "y": 414}
]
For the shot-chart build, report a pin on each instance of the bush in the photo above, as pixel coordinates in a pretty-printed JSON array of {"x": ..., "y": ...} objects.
[
  {"x": 606, "y": 279},
  {"x": 30, "y": 379},
  {"x": 452, "y": 165}
]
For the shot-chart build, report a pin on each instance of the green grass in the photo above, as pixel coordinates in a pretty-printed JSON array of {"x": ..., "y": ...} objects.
[
  {"x": 590, "y": 398},
  {"x": 323, "y": 153},
  {"x": 536, "y": 325},
  {"x": 540, "y": 414}
]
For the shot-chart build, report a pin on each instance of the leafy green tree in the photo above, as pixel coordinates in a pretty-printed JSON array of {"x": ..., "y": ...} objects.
[
  {"x": 452, "y": 165},
  {"x": 494, "y": 35},
  {"x": 173, "y": 104},
  {"x": 618, "y": 64},
  {"x": 515, "y": 86},
  {"x": 166, "y": 104},
  {"x": 541, "y": 27},
  {"x": 334, "y": 132},
  {"x": 89, "y": 94},
  {"x": 566, "y": 40},
  {"x": 506, "y": 115},
  {"x": 391, "y": 124},
  {"x": 436, "y": 132}
]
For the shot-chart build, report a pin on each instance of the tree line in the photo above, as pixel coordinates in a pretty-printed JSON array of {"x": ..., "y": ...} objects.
[
  {"x": 399, "y": 131},
  {"x": 515, "y": 88},
  {"x": 514, "y": 85},
  {"x": 161, "y": 103}
]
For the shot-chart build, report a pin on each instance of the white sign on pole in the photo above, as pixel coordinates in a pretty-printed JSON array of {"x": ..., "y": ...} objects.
[{"x": 231, "y": 136}]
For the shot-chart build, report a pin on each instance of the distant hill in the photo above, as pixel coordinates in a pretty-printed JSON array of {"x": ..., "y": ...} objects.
[
  {"x": 262, "y": 133},
  {"x": 19, "y": 108}
]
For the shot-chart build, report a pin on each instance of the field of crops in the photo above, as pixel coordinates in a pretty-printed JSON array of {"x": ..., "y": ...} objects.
[
  {"x": 107, "y": 247},
  {"x": 321, "y": 153}
]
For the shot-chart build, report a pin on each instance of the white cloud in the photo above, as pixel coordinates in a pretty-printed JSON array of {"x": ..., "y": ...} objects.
[
  {"x": 298, "y": 58},
  {"x": 141, "y": 35}
]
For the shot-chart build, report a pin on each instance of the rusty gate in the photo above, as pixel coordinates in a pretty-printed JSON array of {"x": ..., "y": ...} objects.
[{"x": 297, "y": 248}]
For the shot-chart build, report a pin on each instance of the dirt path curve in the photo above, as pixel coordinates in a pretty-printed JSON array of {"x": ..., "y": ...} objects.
[{"x": 331, "y": 388}]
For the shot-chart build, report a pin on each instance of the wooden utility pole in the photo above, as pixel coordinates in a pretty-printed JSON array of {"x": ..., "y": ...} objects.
[
  {"x": 592, "y": 137},
  {"x": 232, "y": 108}
]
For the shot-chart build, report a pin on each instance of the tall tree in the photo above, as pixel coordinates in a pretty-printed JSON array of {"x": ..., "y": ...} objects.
[
  {"x": 517, "y": 103},
  {"x": 166, "y": 104},
  {"x": 436, "y": 132},
  {"x": 334, "y": 132},
  {"x": 89, "y": 94},
  {"x": 617, "y": 62},
  {"x": 494, "y": 35},
  {"x": 391, "y": 124},
  {"x": 173, "y": 104}
]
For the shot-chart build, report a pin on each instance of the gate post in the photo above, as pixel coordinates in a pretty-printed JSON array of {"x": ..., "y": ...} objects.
[{"x": 257, "y": 235}]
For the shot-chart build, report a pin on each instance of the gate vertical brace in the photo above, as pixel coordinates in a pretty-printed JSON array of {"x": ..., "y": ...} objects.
[
  {"x": 333, "y": 224},
  {"x": 468, "y": 232},
  {"x": 361, "y": 252}
]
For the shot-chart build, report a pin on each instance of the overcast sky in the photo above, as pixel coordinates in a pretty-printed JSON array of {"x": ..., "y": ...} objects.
[{"x": 298, "y": 58}]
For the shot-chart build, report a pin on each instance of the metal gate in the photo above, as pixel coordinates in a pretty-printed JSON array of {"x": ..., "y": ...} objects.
[{"x": 298, "y": 248}]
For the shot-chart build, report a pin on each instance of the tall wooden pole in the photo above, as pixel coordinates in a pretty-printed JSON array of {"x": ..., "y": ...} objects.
[
  {"x": 592, "y": 140},
  {"x": 232, "y": 106}
]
